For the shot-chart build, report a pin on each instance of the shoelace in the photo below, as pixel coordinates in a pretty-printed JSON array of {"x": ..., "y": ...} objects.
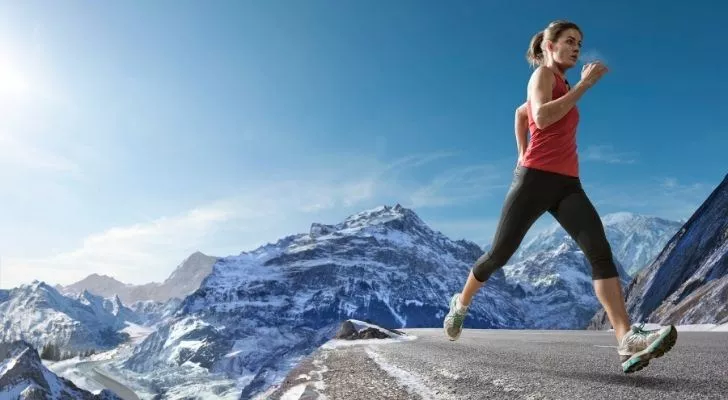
[
  {"x": 458, "y": 317},
  {"x": 640, "y": 330}
]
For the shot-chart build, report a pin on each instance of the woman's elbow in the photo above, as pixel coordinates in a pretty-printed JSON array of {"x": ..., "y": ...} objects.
[
  {"x": 521, "y": 111},
  {"x": 540, "y": 121}
]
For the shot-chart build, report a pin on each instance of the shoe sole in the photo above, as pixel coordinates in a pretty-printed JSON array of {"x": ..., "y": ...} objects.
[
  {"x": 656, "y": 350},
  {"x": 451, "y": 338}
]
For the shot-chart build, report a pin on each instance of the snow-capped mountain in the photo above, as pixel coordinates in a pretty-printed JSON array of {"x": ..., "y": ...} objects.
[
  {"x": 23, "y": 376},
  {"x": 259, "y": 311},
  {"x": 113, "y": 305},
  {"x": 40, "y": 315},
  {"x": 688, "y": 281},
  {"x": 555, "y": 288},
  {"x": 552, "y": 277},
  {"x": 151, "y": 312},
  {"x": 185, "y": 279},
  {"x": 635, "y": 239}
]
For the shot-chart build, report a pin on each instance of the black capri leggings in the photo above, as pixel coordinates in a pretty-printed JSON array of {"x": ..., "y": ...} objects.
[{"x": 532, "y": 193}]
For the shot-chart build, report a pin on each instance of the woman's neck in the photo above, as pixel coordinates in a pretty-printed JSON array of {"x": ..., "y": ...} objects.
[{"x": 556, "y": 68}]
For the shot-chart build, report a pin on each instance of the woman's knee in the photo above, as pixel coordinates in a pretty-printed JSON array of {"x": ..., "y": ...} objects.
[
  {"x": 487, "y": 264},
  {"x": 603, "y": 266},
  {"x": 605, "y": 272}
]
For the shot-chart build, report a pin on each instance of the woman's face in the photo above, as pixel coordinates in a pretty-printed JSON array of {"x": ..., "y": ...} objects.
[{"x": 565, "y": 50}]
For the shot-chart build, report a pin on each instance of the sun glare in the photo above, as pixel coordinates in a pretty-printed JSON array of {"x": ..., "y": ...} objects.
[{"x": 13, "y": 82}]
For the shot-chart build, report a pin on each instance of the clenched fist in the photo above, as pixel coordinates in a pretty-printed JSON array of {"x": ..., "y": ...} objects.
[{"x": 592, "y": 72}]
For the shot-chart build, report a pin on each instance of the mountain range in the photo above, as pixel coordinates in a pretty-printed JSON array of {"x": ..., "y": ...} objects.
[
  {"x": 259, "y": 311},
  {"x": 184, "y": 280}
]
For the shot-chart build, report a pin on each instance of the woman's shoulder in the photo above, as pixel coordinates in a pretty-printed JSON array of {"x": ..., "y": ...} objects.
[
  {"x": 543, "y": 72},
  {"x": 542, "y": 76}
]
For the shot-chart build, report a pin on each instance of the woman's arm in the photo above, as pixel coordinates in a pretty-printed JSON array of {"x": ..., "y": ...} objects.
[
  {"x": 546, "y": 111},
  {"x": 521, "y": 128}
]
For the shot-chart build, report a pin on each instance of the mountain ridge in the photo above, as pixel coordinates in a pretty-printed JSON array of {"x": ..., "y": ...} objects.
[{"x": 183, "y": 280}]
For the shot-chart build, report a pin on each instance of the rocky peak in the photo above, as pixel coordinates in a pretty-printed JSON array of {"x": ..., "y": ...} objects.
[{"x": 394, "y": 217}]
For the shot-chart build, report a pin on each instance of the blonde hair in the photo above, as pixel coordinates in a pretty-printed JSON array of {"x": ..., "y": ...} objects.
[{"x": 553, "y": 31}]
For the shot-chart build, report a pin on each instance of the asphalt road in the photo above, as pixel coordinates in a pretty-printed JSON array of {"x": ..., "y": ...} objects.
[{"x": 499, "y": 364}]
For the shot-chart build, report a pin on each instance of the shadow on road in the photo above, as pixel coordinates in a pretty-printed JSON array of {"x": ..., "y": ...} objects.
[
  {"x": 652, "y": 382},
  {"x": 635, "y": 380}
]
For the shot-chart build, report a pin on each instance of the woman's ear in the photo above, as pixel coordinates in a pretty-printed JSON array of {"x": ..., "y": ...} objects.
[{"x": 549, "y": 45}]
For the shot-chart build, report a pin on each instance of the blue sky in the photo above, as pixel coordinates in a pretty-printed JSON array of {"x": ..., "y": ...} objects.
[{"x": 134, "y": 133}]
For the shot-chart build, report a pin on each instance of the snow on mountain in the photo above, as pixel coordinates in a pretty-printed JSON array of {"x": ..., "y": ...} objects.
[
  {"x": 688, "y": 281},
  {"x": 151, "y": 313},
  {"x": 553, "y": 278},
  {"x": 23, "y": 376},
  {"x": 635, "y": 239},
  {"x": 40, "y": 315},
  {"x": 185, "y": 279},
  {"x": 122, "y": 312},
  {"x": 555, "y": 288},
  {"x": 260, "y": 311},
  {"x": 113, "y": 306}
]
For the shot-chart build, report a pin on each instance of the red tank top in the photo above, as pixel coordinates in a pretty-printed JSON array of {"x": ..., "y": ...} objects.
[{"x": 553, "y": 148}]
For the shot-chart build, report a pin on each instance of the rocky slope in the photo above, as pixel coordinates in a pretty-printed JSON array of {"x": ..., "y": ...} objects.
[
  {"x": 24, "y": 377},
  {"x": 688, "y": 282}
]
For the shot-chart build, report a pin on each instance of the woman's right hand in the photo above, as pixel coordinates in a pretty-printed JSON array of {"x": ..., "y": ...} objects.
[{"x": 592, "y": 72}]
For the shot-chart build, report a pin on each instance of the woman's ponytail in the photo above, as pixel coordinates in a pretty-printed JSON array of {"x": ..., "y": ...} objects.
[{"x": 534, "y": 55}]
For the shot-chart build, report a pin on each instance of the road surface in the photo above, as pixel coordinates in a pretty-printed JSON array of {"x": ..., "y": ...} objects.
[{"x": 501, "y": 364}]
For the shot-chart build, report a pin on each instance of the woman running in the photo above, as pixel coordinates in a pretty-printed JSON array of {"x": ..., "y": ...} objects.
[{"x": 546, "y": 179}]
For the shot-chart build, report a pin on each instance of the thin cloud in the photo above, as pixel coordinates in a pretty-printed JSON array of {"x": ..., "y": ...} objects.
[
  {"x": 22, "y": 154},
  {"x": 458, "y": 186},
  {"x": 662, "y": 197},
  {"x": 149, "y": 250},
  {"x": 445, "y": 188},
  {"x": 127, "y": 252},
  {"x": 669, "y": 183},
  {"x": 607, "y": 154},
  {"x": 412, "y": 161}
]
